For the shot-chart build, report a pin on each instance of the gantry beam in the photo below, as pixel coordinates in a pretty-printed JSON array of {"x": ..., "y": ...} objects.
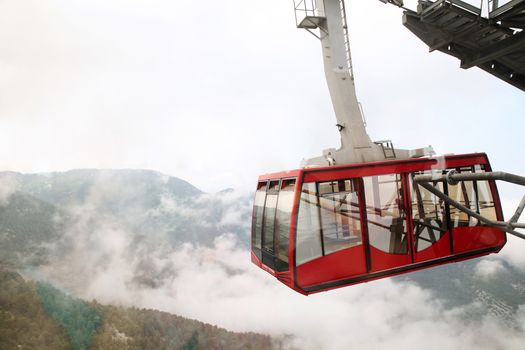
[{"x": 495, "y": 43}]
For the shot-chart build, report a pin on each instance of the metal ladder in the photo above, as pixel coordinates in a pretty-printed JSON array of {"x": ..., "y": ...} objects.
[{"x": 347, "y": 38}]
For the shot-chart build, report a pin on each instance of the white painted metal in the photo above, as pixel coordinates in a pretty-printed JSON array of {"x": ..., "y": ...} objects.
[{"x": 356, "y": 145}]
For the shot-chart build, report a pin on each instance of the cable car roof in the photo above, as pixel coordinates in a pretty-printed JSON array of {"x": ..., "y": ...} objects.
[{"x": 331, "y": 170}]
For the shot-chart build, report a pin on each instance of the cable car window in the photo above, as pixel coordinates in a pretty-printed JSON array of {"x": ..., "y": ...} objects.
[
  {"x": 486, "y": 205},
  {"x": 269, "y": 216},
  {"x": 463, "y": 193},
  {"x": 475, "y": 195},
  {"x": 428, "y": 213},
  {"x": 340, "y": 220},
  {"x": 257, "y": 225},
  {"x": 386, "y": 214},
  {"x": 486, "y": 202},
  {"x": 308, "y": 241},
  {"x": 283, "y": 218}
]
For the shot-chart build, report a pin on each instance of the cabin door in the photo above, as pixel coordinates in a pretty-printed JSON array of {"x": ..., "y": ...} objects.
[
  {"x": 431, "y": 234},
  {"x": 386, "y": 213}
]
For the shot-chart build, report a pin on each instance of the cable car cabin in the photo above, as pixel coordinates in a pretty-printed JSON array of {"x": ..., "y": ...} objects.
[{"x": 316, "y": 229}]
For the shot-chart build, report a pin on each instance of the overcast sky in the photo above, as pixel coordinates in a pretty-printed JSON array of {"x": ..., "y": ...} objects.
[{"x": 217, "y": 92}]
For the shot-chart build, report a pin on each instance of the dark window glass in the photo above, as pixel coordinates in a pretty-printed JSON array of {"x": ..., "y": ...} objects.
[
  {"x": 341, "y": 224},
  {"x": 428, "y": 213},
  {"x": 386, "y": 213},
  {"x": 269, "y": 220},
  {"x": 258, "y": 210},
  {"x": 308, "y": 226},
  {"x": 283, "y": 218}
]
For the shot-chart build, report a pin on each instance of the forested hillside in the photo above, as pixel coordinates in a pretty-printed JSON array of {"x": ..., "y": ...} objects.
[{"x": 36, "y": 315}]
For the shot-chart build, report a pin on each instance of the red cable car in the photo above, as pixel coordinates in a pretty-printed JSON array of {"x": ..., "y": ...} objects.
[
  {"x": 367, "y": 210},
  {"x": 321, "y": 228}
]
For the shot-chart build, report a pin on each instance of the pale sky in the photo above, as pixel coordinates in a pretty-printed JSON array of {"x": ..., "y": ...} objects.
[{"x": 218, "y": 92}]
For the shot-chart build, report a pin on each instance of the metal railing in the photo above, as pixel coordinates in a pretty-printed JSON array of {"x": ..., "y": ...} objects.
[
  {"x": 346, "y": 39},
  {"x": 304, "y": 8}
]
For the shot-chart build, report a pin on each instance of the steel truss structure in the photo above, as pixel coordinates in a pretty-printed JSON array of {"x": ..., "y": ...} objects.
[{"x": 492, "y": 39}]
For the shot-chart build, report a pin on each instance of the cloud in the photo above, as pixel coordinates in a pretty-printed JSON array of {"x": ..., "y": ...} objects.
[
  {"x": 106, "y": 258},
  {"x": 487, "y": 269},
  {"x": 219, "y": 285},
  {"x": 513, "y": 250},
  {"x": 236, "y": 205}
]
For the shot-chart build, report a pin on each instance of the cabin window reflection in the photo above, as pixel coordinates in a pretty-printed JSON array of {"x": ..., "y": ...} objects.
[
  {"x": 283, "y": 219},
  {"x": 486, "y": 202},
  {"x": 340, "y": 220},
  {"x": 308, "y": 241},
  {"x": 475, "y": 195},
  {"x": 258, "y": 210},
  {"x": 428, "y": 213},
  {"x": 269, "y": 216},
  {"x": 386, "y": 214},
  {"x": 463, "y": 193},
  {"x": 486, "y": 205}
]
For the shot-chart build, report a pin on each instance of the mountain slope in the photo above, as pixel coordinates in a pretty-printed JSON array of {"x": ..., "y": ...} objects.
[
  {"x": 27, "y": 225},
  {"x": 28, "y": 320},
  {"x": 499, "y": 293},
  {"x": 154, "y": 209}
]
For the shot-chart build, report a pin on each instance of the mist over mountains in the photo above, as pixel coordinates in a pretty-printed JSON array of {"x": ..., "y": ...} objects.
[
  {"x": 153, "y": 209},
  {"x": 143, "y": 239},
  {"x": 145, "y": 202}
]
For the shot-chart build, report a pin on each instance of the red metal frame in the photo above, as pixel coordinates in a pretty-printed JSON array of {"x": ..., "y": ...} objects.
[{"x": 364, "y": 263}]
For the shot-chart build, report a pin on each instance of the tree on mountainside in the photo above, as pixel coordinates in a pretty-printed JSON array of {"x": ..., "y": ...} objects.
[
  {"x": 79, "y": 320},
  {"x": 23, "y": 322}
]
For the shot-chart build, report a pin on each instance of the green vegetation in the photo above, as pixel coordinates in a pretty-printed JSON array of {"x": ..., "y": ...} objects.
[
  {"x": 26, "y": 225},
  {"x": 39, "y": 316},
  {"x": 77, "y": 318},
  {"x": 23, "y": 322},
  {"x": 133, "y": 328},
  {"x": 193, "y": 343}
]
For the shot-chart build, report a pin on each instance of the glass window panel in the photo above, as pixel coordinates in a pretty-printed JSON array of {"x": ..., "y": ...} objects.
[
  {"x": 328, "y": 187},
  {"x": 283, "y": 218},
  {"x": 308, "y": 226},
  {"x": 475, "y": 195},
  {"x": 340, "y": 218},
  {"x": 486, "y": 202},
  {"x": 464, "y": 193},
  {"x": 274, "y": 185},
  {"x": 386, "y": 214},
  {"x": 258, "y": 210},
  {"x": 269, "y": 220},
  {"x": 428, "y": 212}
]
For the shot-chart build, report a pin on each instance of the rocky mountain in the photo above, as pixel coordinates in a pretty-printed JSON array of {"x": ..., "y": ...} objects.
[{"x": 27, "y": 225}]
